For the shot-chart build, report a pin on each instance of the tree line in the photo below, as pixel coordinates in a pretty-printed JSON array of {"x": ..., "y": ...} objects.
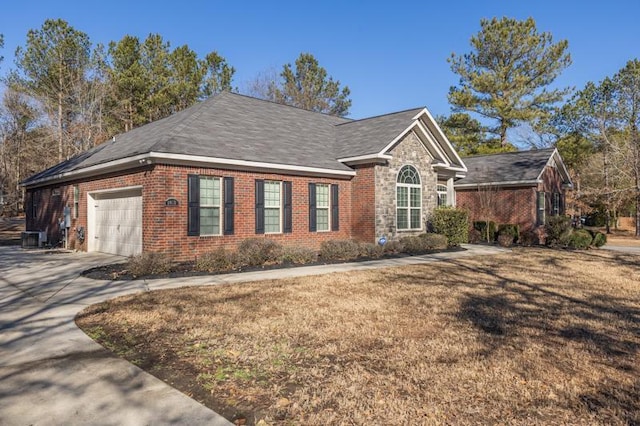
[
  {"x": 66, "y": 95},
  {"x": 506, "y": 81}
]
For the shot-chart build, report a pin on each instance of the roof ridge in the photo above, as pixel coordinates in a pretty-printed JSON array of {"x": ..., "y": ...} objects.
[
  {"x": 510, "y": 152},
  {"x": 380, "y": 115},
  {"x": 326, "y": 114}
]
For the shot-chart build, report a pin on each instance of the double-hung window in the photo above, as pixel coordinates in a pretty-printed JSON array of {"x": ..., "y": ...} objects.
[
  {"x": 540, "y": 207},
  {"x": 272, "y": 207},
  {"x": 322, "y": 207},
  {"x": 210, "y": 209},
  {"x": 408, "y": 199},
  {"x": 210, "y": 200},
  {"x": 273, "y": 212},
  {"x": 441, "y": 189},
  {"x": 556, "y": 203},
  {"x": 76, "y": 201}
]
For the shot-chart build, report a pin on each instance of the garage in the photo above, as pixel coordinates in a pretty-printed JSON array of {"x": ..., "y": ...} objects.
[{"x": 115, "y": 221}]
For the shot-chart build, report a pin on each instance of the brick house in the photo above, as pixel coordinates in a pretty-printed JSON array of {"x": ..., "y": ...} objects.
[
  {"x": 522, "y": 188},
  {"x": 235, "y": 167}
]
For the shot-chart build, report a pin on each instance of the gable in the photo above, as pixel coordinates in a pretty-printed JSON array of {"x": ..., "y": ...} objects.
[
  {"x": 421, "y": 124},
  {"x": 512, "y": 169}
]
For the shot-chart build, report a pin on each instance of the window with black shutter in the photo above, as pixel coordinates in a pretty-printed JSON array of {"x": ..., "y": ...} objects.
[{"x": 210, "y": 205}]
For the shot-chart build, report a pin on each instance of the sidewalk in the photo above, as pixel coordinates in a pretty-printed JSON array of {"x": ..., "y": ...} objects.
[{"x": 52, "y": 373}]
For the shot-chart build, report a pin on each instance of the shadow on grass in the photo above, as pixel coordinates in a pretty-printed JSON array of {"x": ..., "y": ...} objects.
[{"x": 547, "y": 303}]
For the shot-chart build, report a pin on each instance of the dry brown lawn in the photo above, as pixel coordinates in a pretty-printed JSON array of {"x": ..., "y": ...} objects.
[{"x": 535, "y": 336}]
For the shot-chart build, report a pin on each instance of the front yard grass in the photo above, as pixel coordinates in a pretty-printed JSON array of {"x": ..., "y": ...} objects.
[{"x": 536, "y": 336}]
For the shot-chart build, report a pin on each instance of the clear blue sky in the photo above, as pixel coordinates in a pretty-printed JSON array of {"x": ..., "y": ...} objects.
[{"x": 391, "y": 54}]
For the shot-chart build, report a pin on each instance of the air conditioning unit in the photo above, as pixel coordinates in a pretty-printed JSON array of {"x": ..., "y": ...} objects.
[{"x": 33, "y": 239}]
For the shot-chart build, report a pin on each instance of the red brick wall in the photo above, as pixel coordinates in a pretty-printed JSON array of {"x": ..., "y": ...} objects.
[
  {"x": 363, "y": 206},
  {"x": 512, "y": 205},
  {"x": 515, "y": 205},
  {"x": 165, "y": 228}
]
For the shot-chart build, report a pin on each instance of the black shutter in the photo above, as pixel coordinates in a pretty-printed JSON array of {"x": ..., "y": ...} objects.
[
  {"x": 312, "y": 207},
  {"x": 288, "y": 213},
  {"x": 335, "y": 209},
  {"x": 259, "y": 206},
  {"x": 193, "y": 205},
  {"x": 228, "y": 206}
]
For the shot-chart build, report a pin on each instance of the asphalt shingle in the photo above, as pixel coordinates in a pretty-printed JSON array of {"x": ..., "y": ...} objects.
[
  {"x": 237, "y": 127},
  {"x": 505, "y": 167}
]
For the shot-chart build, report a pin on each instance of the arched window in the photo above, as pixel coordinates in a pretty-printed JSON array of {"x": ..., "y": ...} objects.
[
  {"x": 408, "y": 199},
  {"x": 441, "y": 189}
]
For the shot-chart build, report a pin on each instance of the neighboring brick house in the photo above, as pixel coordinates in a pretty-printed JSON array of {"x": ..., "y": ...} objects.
[
  {"x": 522, "y": 188},
  {"x": 235, "y": 167}
]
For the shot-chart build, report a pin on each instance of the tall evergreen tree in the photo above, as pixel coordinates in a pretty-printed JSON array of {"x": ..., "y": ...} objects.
[
  {"x": 308, "y": 86},
  {"x": 52, "y": 65},
  {"x": 505, "y": 77},
  {"x": 185, "y": 77},
  {"x": 128, "y": 84},
  {"x": 218, "y": 75}
]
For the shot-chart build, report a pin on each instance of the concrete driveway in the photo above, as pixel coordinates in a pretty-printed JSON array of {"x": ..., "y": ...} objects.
[{"x": 51, "y": 373}]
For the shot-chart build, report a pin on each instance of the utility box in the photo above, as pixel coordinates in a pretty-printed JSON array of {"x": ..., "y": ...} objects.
[
  {"x": 33, "y": 239},
  {"x": 30, "y": 239}
]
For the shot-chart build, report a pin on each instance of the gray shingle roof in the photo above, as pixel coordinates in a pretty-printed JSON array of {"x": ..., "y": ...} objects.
[
  {"x": 238, "y": 127},
  {"x": 371, "y": 135},
  {"x": 522, "y": 166}
]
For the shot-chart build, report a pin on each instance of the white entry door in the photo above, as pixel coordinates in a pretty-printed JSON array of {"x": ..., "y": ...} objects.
[{"x": 118, "y": 222}]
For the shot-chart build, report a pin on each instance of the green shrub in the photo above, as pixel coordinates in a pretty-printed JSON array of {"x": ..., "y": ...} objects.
[
  {"x": 452, "y": 223},
  {"x": 434, "y": 241},
  {"x": 509, "y": 229},
  {"x": 558, "y": 230},
  {"x": 298, "y": 255},
  {"x": 580, "y": 239},
  {"x": 219, "y": 260},
  {"x": 259, "y": 251},
  {"x": 370, "y": 250},
  {"x": 599, "y": 239},
  {"x": 148, "y": 263},
  {"x": 505, "y": 240},
  {"x": 413, "y": 244},
  {"x": 481, "y": 226},
  {"x": 339, "y": 250}
]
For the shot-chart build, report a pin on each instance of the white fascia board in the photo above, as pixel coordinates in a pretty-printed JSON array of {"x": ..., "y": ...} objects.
[
  {"x": 555, "y": 155},
  {"x": 433, "y": 143},
  {"x": 111, "y": 166},
  {"x": 361, "y": 159},
  {"x": 442, "y": 137},
  {"x": 498, "y": 184},
  {"x": 184, "y": 159}
]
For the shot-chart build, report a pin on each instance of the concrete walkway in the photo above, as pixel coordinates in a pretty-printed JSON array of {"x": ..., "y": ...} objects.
[{"x": 51, "y": 373}]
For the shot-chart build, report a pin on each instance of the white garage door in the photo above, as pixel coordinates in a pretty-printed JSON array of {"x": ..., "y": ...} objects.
[{"x": 118, "y": 222}]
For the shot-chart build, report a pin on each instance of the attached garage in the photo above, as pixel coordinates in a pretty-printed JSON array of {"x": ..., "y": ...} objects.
[{"x": 115, "y": 221}]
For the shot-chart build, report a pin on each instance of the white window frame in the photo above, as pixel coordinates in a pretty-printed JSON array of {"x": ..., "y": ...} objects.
[
  {"x": 442, "y": 189},
  {"x": 279, "y": 208},
  {"x": 326, "y": 207},
  {"x": 556, "y": 204},
  {"x": 211, "y": 206},
  {"x": 409, "y": 208}
]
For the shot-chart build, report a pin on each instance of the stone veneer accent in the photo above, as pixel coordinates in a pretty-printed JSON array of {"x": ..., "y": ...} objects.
[{"x": 409, "y": 151}]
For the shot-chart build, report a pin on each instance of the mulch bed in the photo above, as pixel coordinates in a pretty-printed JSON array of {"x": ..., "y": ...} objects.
[{"x": 119, "y": 272}]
